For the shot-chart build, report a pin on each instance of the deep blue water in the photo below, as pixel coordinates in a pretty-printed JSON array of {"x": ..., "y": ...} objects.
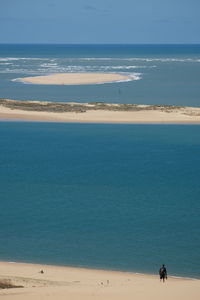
[
  {"x": 122, "y": 197},
  {"x": 168, "y": 74}
]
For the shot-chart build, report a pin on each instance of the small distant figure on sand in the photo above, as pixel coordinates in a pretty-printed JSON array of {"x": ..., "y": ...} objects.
[
  {"x": 42, "y": 272},
  {"x": 163, "y": 273}
]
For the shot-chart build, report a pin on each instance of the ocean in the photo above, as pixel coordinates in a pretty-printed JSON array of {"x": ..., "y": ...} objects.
[
  {"x": 108, "y": 196},
  {"x": 120, "y": 197},
  {"x": 167, "y": 74}
]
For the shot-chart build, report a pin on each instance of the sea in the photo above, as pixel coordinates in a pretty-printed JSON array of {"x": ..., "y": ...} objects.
[
  {"x": 164, "y": 74},
  {"x": 106, "y": 196}
]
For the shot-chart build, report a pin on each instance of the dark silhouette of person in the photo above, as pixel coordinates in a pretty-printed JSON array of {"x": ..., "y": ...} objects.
[{"x": 163, "y": 273}]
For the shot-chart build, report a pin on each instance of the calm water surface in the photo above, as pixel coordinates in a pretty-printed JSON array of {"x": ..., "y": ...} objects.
[{"x": 122, "y": 197}]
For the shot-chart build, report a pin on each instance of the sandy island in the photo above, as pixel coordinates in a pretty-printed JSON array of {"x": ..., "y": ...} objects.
[
  {"x": 80, "y": 284},
  {"x": 97, "y": 112},
  {"x": 76, "y": 78}
]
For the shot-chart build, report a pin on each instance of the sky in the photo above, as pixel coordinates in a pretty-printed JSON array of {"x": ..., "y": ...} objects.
[{"x": 100, "y": 21}]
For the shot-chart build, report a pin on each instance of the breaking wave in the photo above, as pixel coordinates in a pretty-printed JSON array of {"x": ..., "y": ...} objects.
[
  {"x": 21, "y": 58},
  {"x": 146, "y": 59}
]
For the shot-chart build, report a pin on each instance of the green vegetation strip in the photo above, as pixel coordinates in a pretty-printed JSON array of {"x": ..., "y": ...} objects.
[{"x": 45, "y": 106}]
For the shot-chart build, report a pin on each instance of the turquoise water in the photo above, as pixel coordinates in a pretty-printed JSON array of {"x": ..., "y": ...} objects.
[
  {"x": 122, "y": 197},
  {"x": 167, "y": 74}
]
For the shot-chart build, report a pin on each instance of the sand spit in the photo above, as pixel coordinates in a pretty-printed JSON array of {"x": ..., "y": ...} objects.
[
  {"x": 97, "y": 112},
  {"x": 80, "y": 284},
  {"x": 75, "y": 78}
]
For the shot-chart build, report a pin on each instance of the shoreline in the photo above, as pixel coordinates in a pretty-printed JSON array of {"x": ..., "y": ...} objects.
[
  {"x": 62, "y": 282},
  {"x": 72, "y": 267},
  {"x": 97, "y": 112}
]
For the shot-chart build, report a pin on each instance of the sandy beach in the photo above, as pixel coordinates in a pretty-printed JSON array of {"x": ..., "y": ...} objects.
[
  {"x": 75, "y": 78},
  {"x": 78, "y": 284},
  {"x": 97, "y": 112}
]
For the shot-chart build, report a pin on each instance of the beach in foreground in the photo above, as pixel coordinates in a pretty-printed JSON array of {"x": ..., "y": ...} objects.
[
  {"x": 97, "y": 112},
  {"x": 78, "y": 284}
]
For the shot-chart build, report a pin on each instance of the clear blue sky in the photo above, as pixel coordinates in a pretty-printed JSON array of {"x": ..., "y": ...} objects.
[{"x": 99, "y": 21}]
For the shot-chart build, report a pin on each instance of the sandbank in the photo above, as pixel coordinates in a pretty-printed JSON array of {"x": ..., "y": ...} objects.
[
  {"x": 97, "y": 112},
  {"x": 75, "y": 78},
  {"x": 81, "y": 284}
]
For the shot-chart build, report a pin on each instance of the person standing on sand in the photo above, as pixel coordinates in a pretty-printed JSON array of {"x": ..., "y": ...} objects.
[{"x": 163, "y": 273}]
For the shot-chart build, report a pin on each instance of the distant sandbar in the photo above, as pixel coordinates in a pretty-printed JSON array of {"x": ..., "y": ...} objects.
[
  {"x": 97, "y": 112},
  {"x": 76, "y": 78}
]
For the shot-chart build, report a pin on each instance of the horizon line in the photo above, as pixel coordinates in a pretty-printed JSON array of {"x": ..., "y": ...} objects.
[{"x": 105, "y": 44}]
